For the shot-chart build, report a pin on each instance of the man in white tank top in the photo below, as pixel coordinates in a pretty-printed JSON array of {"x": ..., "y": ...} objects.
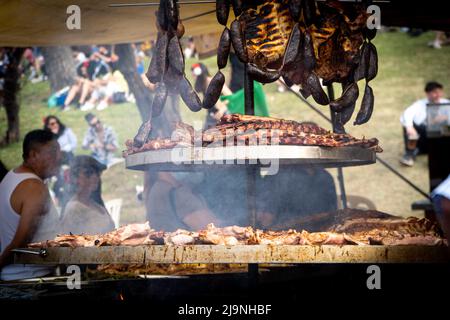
[{"x": 27, "y": 213}]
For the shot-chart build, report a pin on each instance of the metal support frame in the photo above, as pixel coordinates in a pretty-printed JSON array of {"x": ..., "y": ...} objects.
[
  {"x": 251, "y": 170},
  {"x": 340, "y": 172},
  {"x": 383, "y": 162},
  {"x": 253, "y": 268}
]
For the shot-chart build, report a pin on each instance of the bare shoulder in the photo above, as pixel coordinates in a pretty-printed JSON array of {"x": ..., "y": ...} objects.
[
  {"x": 31, "y": 187},
  {"x": 30, "y": 191}
]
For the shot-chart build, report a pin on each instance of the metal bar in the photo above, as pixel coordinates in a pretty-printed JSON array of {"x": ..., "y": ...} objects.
[
  {"x": 199, "y": 15},
  {"x": 246, "y": 254},
  {"x": 187, "y": 2},
  {"x": 150, "y": 4},
  {"x": 41, "y": 252},
  {"x": 384, "y": 163},
  {"x": 402, "y": 177},
  {"x": 340, "y": 172},
  {"x": 253, "y": 275},
  {"x": 249, "y": 96},
  {"x": 251, "y": 195},
  {"x": 251, "y": 171},
  {"x": 249, "y": 93}
]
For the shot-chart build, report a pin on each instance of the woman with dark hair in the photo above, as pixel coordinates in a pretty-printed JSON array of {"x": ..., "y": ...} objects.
[
  {"x": 202, "y": 80},
  {"x": 85, "y": 213},
  {"x": 67, "y": 142},
  {"x": 66, "y": 138}
]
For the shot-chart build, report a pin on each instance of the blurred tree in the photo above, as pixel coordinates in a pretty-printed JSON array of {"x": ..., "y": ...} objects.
[
  {"x": 127, "y": 66},
  {"x": 163, "y": 125},
  {"x": 11, "y": 87},
  {"x": 60, "y": 66}
]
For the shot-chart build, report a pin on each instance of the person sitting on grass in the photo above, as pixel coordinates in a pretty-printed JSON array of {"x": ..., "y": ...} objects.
[
  {"x": 90, "y": 73},
  {"x": 101, "y": 140},
  {"x": 414, "y": 120},
  {"x": 66, "y": 138}
]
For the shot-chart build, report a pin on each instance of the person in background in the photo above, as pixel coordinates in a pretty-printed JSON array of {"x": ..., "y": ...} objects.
[
  {"x": 33, "y": 62},
  {"x": 140, "y": 66},
  {"x": 68, "y": 143},
  {"x": 441, "y": 201},
  {"x": 101, "y": 140},
  {"x": 106, "y": 54},
  {"x": 414, "y": 120},
  {"x": 440, "y": 39},
  {"x": 99, "y": 76},
  {"x": 202, "y": 80},
  {"x": 66, "y": 138},
  {"x": 237, "y": 73},
  {"x": 79, "y": 56},
  {"x": 174, "y": 203},
  {"x": 90, "y": 73},
  {"x": 292, "y": 194},
  {"x": 235, "y": 102},
  {"x": 80, "y": 87},
  {"x": 107, "y": 91},
  {"x": 85, "y": 213},
  {"x": 189, "y": 50},
  {"x": 27, "y": 213}
]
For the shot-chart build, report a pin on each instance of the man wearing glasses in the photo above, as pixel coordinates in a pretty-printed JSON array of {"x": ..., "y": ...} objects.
[{"x": 101, "y": 140}]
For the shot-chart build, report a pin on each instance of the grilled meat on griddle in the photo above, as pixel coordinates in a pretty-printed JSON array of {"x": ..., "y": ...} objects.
[
  {"x": 355, "y": 229},
  {"x": 246, "y": 130}
]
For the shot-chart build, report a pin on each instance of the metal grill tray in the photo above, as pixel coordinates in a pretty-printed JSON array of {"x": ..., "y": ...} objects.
[
  {"x": 238, "y": 254},
  {"x": 186, "y": 159}
]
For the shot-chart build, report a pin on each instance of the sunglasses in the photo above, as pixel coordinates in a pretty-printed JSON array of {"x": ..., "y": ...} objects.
[{"x": 52, "y": 124}]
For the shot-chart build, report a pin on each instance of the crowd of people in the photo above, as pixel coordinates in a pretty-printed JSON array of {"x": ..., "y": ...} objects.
[
  {"x": 98, "y": 83},
  {"x": 100, "y": 139}
]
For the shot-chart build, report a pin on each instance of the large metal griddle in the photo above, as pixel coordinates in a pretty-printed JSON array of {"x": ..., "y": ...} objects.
[
  {"x": 196, "y": 158},
  {"x": 240, "y": 254}
]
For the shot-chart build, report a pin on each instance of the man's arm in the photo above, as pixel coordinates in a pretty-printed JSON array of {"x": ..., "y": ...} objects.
[
  {"x": 193, "y": 210},
  {"x": 407, "y": 119},
  {"x": 112, "y": 144},
  {"x": 88, "y": 140},
  {"x": 32, "y": 203}
]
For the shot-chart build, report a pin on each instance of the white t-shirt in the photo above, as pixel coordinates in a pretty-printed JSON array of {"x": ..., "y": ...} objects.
[
  {"x": 417, "y": 113},
  {"x": 443, "y": 189},
  {"x": 82, "y": 219},
  {"x": 68, "y": 141}
]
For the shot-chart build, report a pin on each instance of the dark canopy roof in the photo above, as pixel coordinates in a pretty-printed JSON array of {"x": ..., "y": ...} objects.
[{"x": 43, "y": 22}]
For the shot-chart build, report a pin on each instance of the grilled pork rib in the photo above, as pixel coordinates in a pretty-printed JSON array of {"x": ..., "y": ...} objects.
[{"x": 244, "y": 129}]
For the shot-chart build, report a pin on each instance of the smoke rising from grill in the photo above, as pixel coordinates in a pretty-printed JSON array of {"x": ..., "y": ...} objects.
[{"x": 281, "y": 199}]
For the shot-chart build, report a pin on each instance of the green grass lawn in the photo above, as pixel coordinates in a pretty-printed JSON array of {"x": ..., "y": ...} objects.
[{"x": 405, "y": 64}]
